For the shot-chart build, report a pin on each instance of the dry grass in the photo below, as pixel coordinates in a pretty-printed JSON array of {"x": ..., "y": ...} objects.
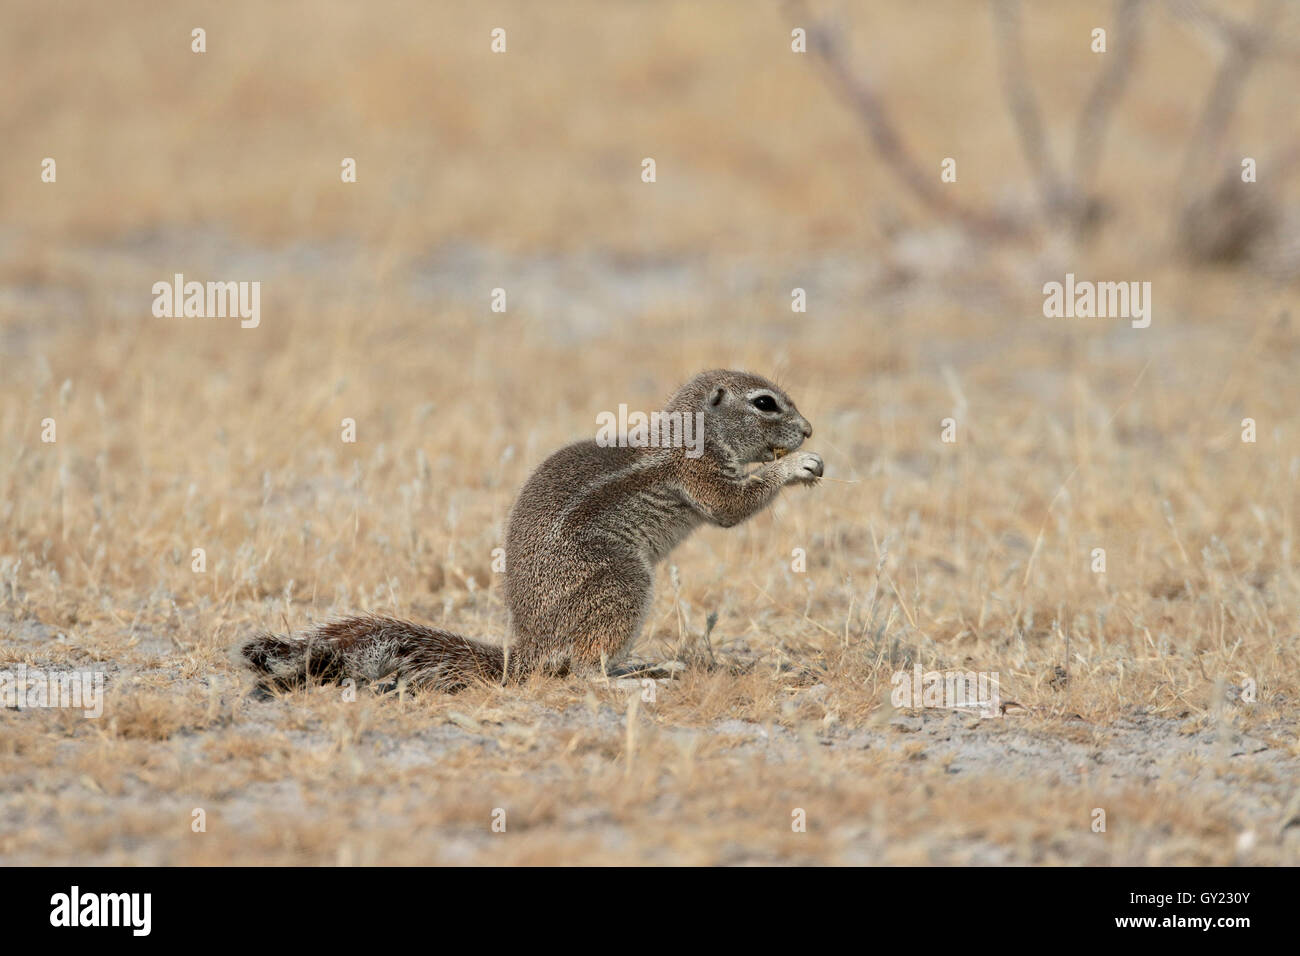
[{"x": 183, "y": 434}]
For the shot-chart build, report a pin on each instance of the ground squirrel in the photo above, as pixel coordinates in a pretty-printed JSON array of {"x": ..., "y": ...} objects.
[{"x": 582, "y": 542}]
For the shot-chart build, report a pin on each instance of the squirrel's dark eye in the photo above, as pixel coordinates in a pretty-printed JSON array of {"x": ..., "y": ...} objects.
[{"x": 765, "y": 403}]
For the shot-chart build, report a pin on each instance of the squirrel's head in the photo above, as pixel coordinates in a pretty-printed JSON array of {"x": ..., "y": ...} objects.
[{"x": 744, "y": 415}]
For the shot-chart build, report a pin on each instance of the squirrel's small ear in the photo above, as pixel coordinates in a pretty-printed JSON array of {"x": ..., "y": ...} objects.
[{"x": 716, "y": 397}]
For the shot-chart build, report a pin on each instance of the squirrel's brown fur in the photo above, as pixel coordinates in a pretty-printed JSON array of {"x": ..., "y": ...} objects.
[{"x": 583, "y": 538}]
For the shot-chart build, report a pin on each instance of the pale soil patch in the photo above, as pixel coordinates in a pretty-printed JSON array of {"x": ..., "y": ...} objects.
[{"x": 310, "y": 778}]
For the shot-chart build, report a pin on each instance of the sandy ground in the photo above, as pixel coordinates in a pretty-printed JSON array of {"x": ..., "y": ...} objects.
[{"x": 594, "y": 772}]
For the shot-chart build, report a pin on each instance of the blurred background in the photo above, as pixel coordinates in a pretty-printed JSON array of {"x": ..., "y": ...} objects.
[
  {"x": 468, "y": 160},
  {"x": 776, "y": 170}
]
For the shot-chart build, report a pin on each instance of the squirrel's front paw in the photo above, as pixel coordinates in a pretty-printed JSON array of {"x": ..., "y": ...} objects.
[{"x": 805, "y": 467}]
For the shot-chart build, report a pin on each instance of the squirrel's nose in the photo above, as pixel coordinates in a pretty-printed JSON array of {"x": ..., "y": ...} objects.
[{"x": 807, "y": 428}]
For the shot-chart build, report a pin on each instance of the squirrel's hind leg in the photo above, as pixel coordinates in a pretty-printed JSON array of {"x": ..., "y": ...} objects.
[{"x": 613, "y": 606}]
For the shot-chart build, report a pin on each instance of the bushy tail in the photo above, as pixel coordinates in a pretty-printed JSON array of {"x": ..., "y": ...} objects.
[{"x": 374, "y": 648}]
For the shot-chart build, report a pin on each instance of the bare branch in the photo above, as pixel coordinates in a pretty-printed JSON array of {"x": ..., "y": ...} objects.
[
  {"x": 1223, "y": 31},
  {"x": 1205, "y": 151},
  {"x": 1094, "y": 120},
  {"x": 1024, "y": 106},
  {"x": 866, "y": 103},
  {"x": 1218, "y": 218}
]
